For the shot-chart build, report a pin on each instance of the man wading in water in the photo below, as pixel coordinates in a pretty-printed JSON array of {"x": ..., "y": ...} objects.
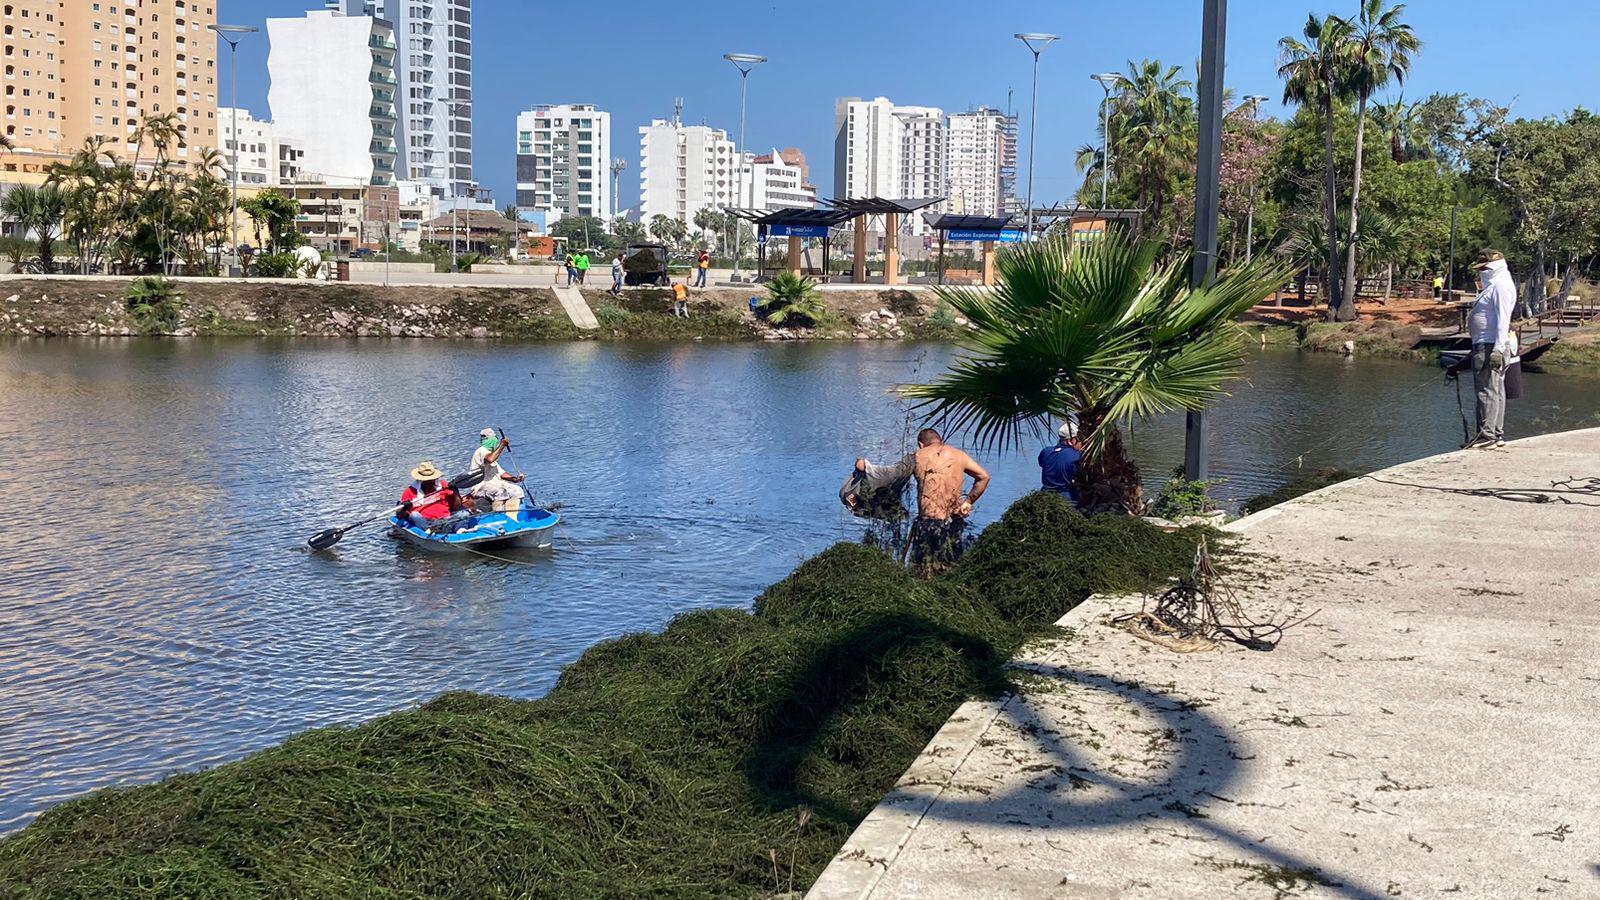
[{"x": 942, "y": 512}]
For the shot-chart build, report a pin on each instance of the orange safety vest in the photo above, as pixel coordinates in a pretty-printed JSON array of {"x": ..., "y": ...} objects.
[{"x": 680, "y": 292}]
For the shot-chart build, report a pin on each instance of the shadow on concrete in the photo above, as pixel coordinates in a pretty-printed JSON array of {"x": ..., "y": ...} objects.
[
  {"x": 1198, "y": 770},
  {"x": 1575, "y": 491}
]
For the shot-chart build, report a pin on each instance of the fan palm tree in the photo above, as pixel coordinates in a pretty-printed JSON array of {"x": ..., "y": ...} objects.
[
  {"x": 1313, "y": 70},
  {"x": 1153, "y": 120},
  {"x": 1103, "y": 333},
  {"x": 39, "y": 210},
  {"x": 1379, "y": 47},
  {"x": 1401, "y": 123}
]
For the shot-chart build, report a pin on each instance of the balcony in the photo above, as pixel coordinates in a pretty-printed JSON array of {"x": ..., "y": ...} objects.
[
  {"x": 381, "y": 43},
  {"x": 380, "y": 78},
  {"x": 382, "y": 112}
]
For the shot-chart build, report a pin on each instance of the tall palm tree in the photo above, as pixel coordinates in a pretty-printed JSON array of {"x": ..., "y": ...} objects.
[
  {"x": 39, "y": 210},
  {"x": 1401, "y": 124},
  {"x": 1313, "y": 70},
  {"x": 1379, "y": 48},
  {"x": 1153, "y": 119},
  {"x": 1102, "y": 333}
]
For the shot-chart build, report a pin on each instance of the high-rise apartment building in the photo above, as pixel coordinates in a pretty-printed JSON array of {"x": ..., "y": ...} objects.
[
  {"x": 265, "y": 157},
  {"x": 777, "y": 180},
  {"x": 76, "y": 69},
  {"x": 888, "y": 151},
  {"x": 976, "y": 161},
  {"x": 563, "y": 161},
  {"x": 434, "y": 70},
  {"x": 684, "y": 169},
  {"x": 333, "y": 93}
]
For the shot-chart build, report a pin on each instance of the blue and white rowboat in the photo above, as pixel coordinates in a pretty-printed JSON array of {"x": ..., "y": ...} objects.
[{"x": 489, "y": 531}]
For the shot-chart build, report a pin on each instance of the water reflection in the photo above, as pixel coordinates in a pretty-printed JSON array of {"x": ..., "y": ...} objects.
[{"x": 158, "y": 610}]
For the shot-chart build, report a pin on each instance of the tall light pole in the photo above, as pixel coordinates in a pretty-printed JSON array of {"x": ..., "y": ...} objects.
[
  {"x": 1036, "y": 43},
  {"x": 1108, "y": 80},
  {"x": 455, "y": 202},
  {"x": 227, "y": 33},
  {"x": 744, "y": 62},
  {"x": 1208, "y": 176},
  {"x": 1254, "y": 102}
]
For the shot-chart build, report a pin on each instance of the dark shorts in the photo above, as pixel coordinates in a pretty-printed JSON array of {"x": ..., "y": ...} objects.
[{"x": 936, "y": 542}]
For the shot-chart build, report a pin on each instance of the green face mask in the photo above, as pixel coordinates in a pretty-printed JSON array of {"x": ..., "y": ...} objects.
[{"x": 489, "y": 443}]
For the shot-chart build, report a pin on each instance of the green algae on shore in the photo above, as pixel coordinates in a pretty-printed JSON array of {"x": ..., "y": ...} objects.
[{"x": 728, "y": 755}]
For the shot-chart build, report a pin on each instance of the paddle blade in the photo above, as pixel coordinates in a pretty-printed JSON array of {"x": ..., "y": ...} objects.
[{"x": 322, "y": 540}]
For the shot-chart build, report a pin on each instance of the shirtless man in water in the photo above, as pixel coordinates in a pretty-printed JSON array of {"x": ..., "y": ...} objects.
[{"x": 942, "y": 512}]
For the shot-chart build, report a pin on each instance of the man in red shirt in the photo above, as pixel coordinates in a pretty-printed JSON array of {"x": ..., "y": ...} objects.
[{"x": 439, "y": 499}]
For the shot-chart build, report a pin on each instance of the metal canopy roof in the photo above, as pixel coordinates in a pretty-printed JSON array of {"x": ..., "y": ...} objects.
[
  {"x": 948, "y": 222},
  {"x": 874, "y": 206},
  {"x": 828, "y": 217}
]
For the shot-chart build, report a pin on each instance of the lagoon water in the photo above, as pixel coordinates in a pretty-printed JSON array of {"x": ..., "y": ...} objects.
[{"x": 159, "y": 611}]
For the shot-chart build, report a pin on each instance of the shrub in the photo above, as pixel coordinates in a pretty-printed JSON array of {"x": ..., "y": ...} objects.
[
  {"x": 943, "y": 316},
  {"x": 466, "y": 261},
  {"x": 612, "y": 315},
  {"x": 793, "y": 297},
  {"x": 278, "y": 265},
  {"x": 1182, "y": 497},
  {"x": 155, "y": 304}
]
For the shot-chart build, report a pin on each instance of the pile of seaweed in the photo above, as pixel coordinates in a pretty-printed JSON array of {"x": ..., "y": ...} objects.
[{"x": 729, "y": 755}]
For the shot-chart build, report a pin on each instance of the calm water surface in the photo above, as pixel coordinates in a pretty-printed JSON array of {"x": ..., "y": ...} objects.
[{"x": 159, "y": 611}]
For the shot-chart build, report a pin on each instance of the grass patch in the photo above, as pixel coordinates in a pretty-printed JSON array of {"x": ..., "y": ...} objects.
[
  {"x": 728, "y": 755},
  {"x": 1303, "y": 484},
  {"x": 1578, "y": 350},
  {"x": 1375, "y": 338}
]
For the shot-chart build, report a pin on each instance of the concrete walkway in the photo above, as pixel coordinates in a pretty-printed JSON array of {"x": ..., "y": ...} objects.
[
  {"x": 1434, "y": 731},
  {"x": 577, "y": 308}
]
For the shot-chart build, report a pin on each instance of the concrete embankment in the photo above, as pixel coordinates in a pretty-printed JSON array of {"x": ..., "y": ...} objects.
[
  {"x": 96, "y": 306},
  {"x": 1430, "y": 731}
]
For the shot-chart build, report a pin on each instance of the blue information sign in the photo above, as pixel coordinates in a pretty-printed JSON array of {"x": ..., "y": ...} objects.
[
  {"x": 1007, "y": 236},
  {"x": 800, "y": 231}
]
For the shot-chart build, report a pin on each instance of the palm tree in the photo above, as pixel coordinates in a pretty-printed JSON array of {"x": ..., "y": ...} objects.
[
  {"x": 39, "y": 210},
  {"x": 1153, "y": 119},
  {"x": 1401, "y": 123},
  {"x": 1313, "y": 71},
  {"x": 668, "y": 230},
  {"x": 1379, "y": 48},
  {"x": 1101, "y": 334},
  {"x": 793, "y": 297},
  {"x": 709, "y": 220}
]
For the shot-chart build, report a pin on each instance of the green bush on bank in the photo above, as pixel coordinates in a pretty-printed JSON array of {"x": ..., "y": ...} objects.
[
  {"x": 728, "y": 755},
  {"x": 1304, "y": 484}
]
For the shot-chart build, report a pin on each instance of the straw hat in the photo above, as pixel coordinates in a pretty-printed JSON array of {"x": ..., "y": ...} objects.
[
  {"x": 1486, "y": 257},
  {"x": 427, "y": 472}
]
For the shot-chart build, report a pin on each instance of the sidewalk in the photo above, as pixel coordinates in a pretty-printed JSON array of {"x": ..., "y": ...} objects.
[{"x": 1434, "y": 730}]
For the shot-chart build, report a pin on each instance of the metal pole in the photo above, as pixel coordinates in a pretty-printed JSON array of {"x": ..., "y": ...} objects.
[
  {"x": 233, "y": 202},
  {"x": 738, "y": 162},
  {"x": 1450, "y": 268},
  {"x": 1213, "y": 47},
  {"x": 1033, "y": 136}
]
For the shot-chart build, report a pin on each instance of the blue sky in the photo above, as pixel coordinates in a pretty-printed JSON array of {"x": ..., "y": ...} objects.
[{"x": 1539, "y": 53}]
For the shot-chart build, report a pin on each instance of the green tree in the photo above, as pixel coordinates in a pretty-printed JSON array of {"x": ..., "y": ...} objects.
[
  {"x": 1103, "y": 334},
  {"x": 627, "y": 231},
  {"x": 581, "y": 232},
  {"x": 793, "y": 298},
  {"x": 1313, "y": 69},
  {"x": 1154, "y": 131},
  {"x": 274, "y": 213},
  {"x": 710, "y": 220},
  {"x": 39, "y": 210},
  {"x": 1379, "y": 47},
  {"x": 668, "y": 230}
]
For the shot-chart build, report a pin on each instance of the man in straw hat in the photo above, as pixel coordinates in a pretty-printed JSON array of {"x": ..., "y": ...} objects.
[
  {"x": 1489, "y": 325},
  {"x": 429, "y": 482}
]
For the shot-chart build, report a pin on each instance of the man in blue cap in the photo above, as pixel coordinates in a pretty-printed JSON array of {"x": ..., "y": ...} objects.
[{"x": 1058, "y": 465}]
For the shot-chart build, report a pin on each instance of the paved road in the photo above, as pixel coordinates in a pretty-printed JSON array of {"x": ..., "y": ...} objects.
[{"x": 1434, "y": 731}]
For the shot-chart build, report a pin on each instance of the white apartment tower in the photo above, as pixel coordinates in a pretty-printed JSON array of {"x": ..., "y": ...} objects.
[
  {"x": 777, "y": 180},
  {"x": 976, "y": 162},
  {"x": 333, "y": 94},
  {"x": 265, "y": 157},
  {"x": 563, "y": 161},
  {"x": 684, "y": 169},
  {"x": 434, "y": 70},
  {"x": 868, "y": 145}
]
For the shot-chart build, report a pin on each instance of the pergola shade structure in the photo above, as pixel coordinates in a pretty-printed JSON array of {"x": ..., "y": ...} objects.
[
  {"x": 984, "y": 229},
  {"x": 862, "y": 209},
  {"x": 794, "y": 224}
]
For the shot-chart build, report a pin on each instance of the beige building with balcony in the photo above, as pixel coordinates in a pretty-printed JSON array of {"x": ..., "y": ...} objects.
[{"x": 75, "y": 69}]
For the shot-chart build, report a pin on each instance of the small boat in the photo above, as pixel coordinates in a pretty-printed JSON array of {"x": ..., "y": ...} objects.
[{"x": 488, "y": 531}]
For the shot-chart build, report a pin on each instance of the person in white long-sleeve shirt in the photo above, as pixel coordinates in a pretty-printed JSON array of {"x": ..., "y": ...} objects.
[{"x": 1489, "y": 325}]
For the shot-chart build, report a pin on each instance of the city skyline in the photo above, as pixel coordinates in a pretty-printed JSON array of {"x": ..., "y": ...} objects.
[{"x": 520, "y": 65}]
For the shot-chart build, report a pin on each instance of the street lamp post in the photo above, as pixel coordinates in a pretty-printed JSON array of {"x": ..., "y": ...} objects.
[
  {"x": 227, "y": 32},
  {"x": 618, "y": 165},
  {"x": 1036, "y": 43},
  {"x": 1107, "y": 80},
  {"x": 1208, "y": 174},
  {"x": 744, "y": 62},
  {"x": 1253, "y": 101}
]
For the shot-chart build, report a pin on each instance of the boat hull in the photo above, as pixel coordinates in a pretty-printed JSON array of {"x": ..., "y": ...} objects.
[{"x": 528, "y": 529}]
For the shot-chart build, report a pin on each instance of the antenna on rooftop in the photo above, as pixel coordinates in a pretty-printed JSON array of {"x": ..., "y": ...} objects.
[{"x": 677, "y": 111}]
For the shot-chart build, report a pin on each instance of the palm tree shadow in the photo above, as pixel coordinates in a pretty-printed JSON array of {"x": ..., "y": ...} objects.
[
  {"x": 842, "y": 681},
  {"x": 1198, "y": 765}
]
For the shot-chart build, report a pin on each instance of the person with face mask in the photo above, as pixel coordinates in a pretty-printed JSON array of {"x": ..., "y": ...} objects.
[
  {"x": 1489, "y": 325},
  {"x": 499, "y": 488}
]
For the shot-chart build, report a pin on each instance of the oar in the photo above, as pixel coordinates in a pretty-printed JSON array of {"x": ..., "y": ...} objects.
[{"x": 322, "y": 540}]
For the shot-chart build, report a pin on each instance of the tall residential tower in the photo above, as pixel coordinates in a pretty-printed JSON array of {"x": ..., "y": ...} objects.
[
  {"x": 563, "y": 161},
  {"x": 434, "y": 69},
  {"x": 333, "y": 93}
]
